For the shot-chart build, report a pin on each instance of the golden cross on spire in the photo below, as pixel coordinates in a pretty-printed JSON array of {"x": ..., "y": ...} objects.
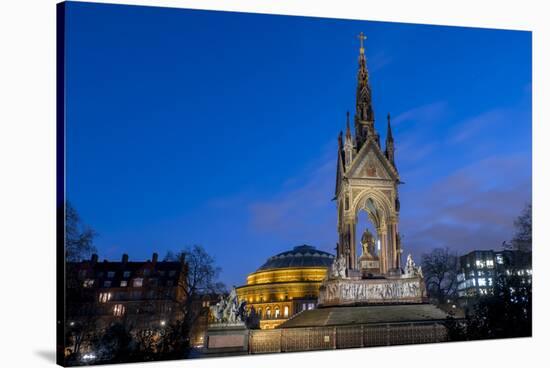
[{"x": 361, "y": 38}]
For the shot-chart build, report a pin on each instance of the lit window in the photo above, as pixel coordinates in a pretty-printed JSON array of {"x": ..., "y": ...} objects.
[
  {"x": 88, "y": 283},
  {"x": 490, "y": 281},
  {"x": 110, "y": 274},
  {"x": 285, "y": 311},
  {"x": 118, "y": 310},
  {"x": 107, "y": 283},
  {"x": 138, "y": 282},
  {"x": 479, "y": 264},
  {"x": 268, "y": 312},
  {"x": 490, "y": 263},
  {"x": 104, "y": 297},
  {"x": 482, "y": 282},
  {"x": 123, "y": 283},
  {"x": 500, "y": 259},
  {"x": 126, "y": 274},
  {"x": 311, "y": 306},
  {"x": 480, "y": 273},
  {"x": 277, "y": 312}
]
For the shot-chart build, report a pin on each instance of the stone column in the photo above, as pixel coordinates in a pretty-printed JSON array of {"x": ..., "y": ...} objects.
[
  {"x": 397, "y": 247},
  {"x": 392, "y": 230},
  {"x": 383, "y": 254},
  {"x": 353, "y": 249},
  {"x": 391, "y": 242}
]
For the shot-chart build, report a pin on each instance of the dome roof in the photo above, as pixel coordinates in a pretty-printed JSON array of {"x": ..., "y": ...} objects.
[{"x": 300, "y": 256}]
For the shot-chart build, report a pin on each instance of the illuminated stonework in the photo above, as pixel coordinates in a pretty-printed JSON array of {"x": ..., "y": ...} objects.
[
  {"x": 286, "y": 284},
  {"x": 367, "y": 180}
]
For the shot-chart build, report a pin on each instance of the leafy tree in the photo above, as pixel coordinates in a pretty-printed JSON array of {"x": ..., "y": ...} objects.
[
  {"x": 114, "y": 344},
  {"x": 440, "y": 268},
  {"x": 522, "y": 239},
  {"x": 147, "y": 344},
  {"x": 173, "y": 342},
  {"x": 78, "y": 237}
]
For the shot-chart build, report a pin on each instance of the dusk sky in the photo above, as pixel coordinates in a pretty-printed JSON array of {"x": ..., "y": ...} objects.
[{"x": 215, "y": 128}]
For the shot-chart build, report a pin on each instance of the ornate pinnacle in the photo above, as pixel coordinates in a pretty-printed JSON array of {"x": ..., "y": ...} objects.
[
  {"x": 389, "y": 136},
  {"x": 348, "y": 130}
]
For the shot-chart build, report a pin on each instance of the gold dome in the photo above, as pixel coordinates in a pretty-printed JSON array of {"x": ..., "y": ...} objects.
[{"x": 286, "y": 284}]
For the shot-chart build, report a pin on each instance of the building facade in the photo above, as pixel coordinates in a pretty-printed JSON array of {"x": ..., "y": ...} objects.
[
  {"x": 143, "y": 296},
  {"x": 479, "y": 269},
  {"x": 286, "y": 284}
]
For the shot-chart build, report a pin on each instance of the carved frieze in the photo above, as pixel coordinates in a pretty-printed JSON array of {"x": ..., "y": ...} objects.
[{"x": 341, "y": 292}]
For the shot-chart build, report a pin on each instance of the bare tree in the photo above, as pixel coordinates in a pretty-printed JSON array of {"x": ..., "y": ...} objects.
[
  {"x": 440, "y": 268},
  {"x": 79, "y": 238},
  {"x": 522, "y": 239},
  {"x": 201, "y": 279}
]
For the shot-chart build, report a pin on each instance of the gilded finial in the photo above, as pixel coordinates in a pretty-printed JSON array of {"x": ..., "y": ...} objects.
[{"x": 361, "y": 38}]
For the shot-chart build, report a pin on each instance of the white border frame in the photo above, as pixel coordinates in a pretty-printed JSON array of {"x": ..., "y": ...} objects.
[{"x": 27, "y": 181}]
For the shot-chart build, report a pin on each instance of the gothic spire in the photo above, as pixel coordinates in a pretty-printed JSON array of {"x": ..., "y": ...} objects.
[
  {"x": 364, "y": 114},
  {"x": 390, "y": 148}
]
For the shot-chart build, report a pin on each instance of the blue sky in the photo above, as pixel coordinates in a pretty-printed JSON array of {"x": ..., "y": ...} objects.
[{"x": 194, "y": 127}]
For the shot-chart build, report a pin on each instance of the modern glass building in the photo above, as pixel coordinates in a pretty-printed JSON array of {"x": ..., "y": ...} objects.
[{"x": 479, "y": 268}]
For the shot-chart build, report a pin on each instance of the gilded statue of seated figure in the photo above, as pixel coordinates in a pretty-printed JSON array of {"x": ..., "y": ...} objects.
[{"x": 367, "y": 242}]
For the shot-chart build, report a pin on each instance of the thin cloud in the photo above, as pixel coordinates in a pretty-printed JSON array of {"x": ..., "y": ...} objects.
[
  {"x": 469, "y": 127},
  {"x": 427, "y": 113},
  {"x": 471, "y": 208},
  {"x": 379, "y": 61},
  {"x": 298, "y": 211}
]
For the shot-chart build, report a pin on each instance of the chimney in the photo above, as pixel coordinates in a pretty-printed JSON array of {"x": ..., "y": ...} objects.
[
  {"x": 94, "y": 259},
  {"x": 124, "y": 258},
  {"x": 155, "y": 258}
]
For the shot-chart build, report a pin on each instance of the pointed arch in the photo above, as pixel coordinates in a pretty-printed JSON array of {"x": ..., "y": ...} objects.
[{"x": 380, "y": 202}]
